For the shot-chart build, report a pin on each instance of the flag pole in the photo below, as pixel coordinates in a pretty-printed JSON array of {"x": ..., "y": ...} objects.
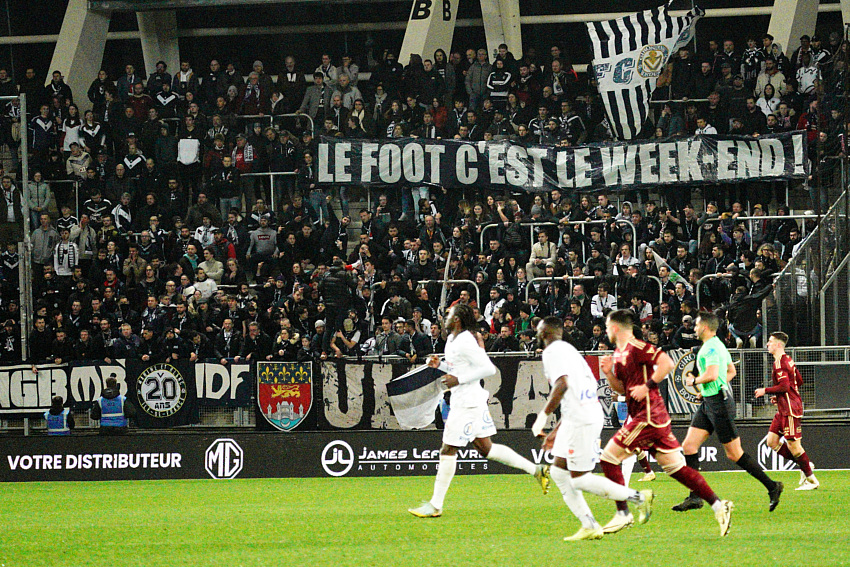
[{"x": 441, "y": 310}]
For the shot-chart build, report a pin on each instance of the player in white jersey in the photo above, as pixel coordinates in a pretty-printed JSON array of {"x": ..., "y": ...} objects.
[
  {"x": 575, "y": 442},
  {"x": 469, "y": 419}
]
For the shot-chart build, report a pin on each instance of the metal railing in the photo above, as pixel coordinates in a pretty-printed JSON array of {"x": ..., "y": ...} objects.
[
  {"x": 562, "y": 228},
  {"x": 271, "y": 175},
  {"x": 76, "y": 184},
  {"x": 448, "y": 282},
  {"x": 555, "y": 279},
  {"x": 699, "y": 286},
  {"x": 836, "y": 294},
  {"x": 750, "y": 221},
  {"x": 272, "y": 119},
  {"x": 656, "y": 279},
  {"x": 794, "y": 307}
]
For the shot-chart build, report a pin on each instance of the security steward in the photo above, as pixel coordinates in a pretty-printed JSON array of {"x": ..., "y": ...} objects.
[
  {"x": 59, "y": 419},
  {"x": 112, "y": 410}
]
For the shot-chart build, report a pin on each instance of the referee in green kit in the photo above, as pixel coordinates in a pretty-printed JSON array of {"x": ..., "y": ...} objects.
[{"x": 716, "y": 413}]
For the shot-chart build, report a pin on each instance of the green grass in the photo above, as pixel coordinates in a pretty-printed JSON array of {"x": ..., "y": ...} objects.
[{"x": 499, "y": 520}]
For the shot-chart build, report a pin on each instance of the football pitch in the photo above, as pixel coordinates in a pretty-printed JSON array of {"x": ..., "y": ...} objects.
[{"x": 500, "y": 520}]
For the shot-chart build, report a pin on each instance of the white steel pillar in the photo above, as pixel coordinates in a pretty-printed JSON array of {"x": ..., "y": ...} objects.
[
  {"x": 845, "y": 12},
  {"x": 158, "y": 31},
  {"x": 431, "y": 26},
  {"x": 79, "y": 49},
  {"x": 791, "y": 19},
  {"x": 502, "y": 25}
]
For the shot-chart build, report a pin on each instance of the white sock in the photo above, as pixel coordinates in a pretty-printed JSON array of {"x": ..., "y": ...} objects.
[
  {"x": 507, "y": 456},
  {"x": 717, "y": 505},
  {"x": 445, "y": 474},
  {"x": 628, "y": 465},
  {"x": 606, "y": 488},
  {"x": 573, "y": 498}
]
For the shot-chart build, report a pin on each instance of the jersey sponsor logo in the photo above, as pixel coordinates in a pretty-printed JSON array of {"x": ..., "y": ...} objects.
[
  {"x": 686, "y": 364},
  {"x": 651, "y": 60},
  {"x": 769, "y": 460},
  {"x": 337, "y": 458},
  {"x": 284, "y": 392},
  {"x": 223, "y": 459},
  {"x": 161, "y": 390}
]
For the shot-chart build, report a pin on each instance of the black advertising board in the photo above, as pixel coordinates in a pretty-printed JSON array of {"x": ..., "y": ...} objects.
[{"x": 331, "y": 454}]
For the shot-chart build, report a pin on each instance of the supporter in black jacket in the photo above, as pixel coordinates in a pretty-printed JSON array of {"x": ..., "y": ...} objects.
[
  {"x": 86, "y": 348},
  {"x": 127, "y": 344},
  {"x": 149, "y": 348},
  {"x": 228, "y": 342},
  {"x": 62, "y": 350},
  {"x": 506, "y": 341},
  {"x": 40, "y": 342},
  {"x": 173, "y": 347},
  {"x": 415, "y": 342},
  {"x": 200, "y": 347},
  {"x": 743, "y": 311},
  {"x": 686, "y": 335},
  {"x": 10, "y": 343},
  {"x": 257, "y": 345},
  {"x": 337, "y": 288}
]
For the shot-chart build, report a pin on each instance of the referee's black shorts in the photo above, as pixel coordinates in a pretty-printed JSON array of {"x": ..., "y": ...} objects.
[{"x": 717, "y": 413}]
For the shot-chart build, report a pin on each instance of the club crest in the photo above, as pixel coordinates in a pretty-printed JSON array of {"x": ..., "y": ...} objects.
[
  {"x": 686, "y": 364},
  {"x": 284, "y": 392},
  {"x": 651, "y": 60}
]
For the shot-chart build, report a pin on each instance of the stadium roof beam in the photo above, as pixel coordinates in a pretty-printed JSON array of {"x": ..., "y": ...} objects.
[
  {"x": 400, "y": 25},
  {"x": 378, "y": 26},
  {"x": 81, "y": 40},
  {"x": 80, "y": 44}
]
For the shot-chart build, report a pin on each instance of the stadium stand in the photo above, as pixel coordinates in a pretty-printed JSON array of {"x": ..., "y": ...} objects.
[{"x": 186, "y": 201}]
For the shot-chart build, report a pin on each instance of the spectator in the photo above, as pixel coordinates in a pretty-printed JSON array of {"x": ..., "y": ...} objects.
[{"x": 602, "y": 303}]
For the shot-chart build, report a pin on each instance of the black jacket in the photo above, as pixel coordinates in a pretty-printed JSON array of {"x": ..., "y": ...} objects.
[
  {"x": 337, "y": 287},
  {"x": 743, "y": 309},
  {"x": 258, "y": 348},
  {"x": 229, "y": 348},
  {"x": 41, "y": 345}
]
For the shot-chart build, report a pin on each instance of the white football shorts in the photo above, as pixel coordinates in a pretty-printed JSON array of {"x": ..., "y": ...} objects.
[
  {"x": 465, "y": 424},
  {"x": 580, "y": 445}
]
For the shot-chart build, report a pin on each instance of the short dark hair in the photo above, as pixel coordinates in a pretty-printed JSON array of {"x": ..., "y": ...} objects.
[
  {"x": 553, "y": 326},
  {"x": 622, "y": 317},
  {"x": 780, "y": 336},
  {"x": 710, "y": 320}
]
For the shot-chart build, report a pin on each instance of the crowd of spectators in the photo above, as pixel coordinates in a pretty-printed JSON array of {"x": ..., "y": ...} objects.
[{"x": 172, "y": 256}]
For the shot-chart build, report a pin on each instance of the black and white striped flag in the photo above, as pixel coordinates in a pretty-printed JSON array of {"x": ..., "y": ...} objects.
[{"x": 629, "y": 54}]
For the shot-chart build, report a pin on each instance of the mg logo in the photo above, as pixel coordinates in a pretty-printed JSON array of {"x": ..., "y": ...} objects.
[
  {"x": 770, "y": 461},
  {"x": 224, "y": 459},
  {"x": 337, "y": 458}
]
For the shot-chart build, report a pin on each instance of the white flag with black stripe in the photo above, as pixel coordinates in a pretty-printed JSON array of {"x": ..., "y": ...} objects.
[
  {"x": 416, "y": 395},
  {"x": 629, "y": 54}
]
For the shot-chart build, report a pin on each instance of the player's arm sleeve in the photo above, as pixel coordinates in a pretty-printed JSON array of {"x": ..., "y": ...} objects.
[
  {"x": 479, "y": 363},
  {"x": 782, "y": 387}
]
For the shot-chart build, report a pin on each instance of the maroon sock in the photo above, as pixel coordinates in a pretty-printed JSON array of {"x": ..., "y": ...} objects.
[
  {"x": 805, "y": 465},
  {"x": 785, "y": 452},
  {"x": 615, "y": 473},
  {"x": 644, "y": 462},
  {"x": 695, "y": 481}
]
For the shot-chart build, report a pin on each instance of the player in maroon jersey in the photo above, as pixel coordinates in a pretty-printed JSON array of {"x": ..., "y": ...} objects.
[
  {"x": 635, "y": 371},
  {"x": 785, "y": 393}
]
